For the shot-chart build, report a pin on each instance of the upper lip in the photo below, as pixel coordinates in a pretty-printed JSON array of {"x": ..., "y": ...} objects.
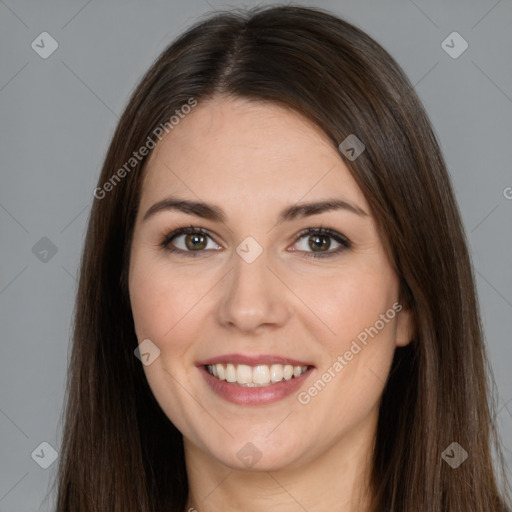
[{"x": 253, "y": 360}]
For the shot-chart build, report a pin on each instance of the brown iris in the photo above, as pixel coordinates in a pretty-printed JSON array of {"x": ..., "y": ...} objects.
[
  {"x": 319, "y": 242},
  {"x": 195, "y": 241}
]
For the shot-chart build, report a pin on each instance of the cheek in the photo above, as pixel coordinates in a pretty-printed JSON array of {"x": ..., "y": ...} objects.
[
  {"x": 150, "y": 304},
  {"x": 359, "y": 309},
  {"x": 163, "y": 311},
  {"x": 349, "y": 300},
  {"x": 161, "y": 298},
  {"x": 358, "y": 345}
]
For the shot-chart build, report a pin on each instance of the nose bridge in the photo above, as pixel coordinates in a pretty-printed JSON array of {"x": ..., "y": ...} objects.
[{"x": 251, "y": 296}]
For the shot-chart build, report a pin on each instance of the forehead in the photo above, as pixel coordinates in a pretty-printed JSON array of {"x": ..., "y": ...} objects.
[{"x": 232, "y": 148}]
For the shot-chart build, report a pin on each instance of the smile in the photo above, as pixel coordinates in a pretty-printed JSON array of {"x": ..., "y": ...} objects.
[{"x": 255, "y": 376}]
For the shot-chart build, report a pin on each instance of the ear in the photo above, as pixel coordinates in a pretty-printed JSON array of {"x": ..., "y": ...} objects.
[{"x": 404, "y": 327}]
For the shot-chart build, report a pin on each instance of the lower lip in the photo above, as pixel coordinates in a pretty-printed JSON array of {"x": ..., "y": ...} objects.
[{"x": 245, "y": 395}]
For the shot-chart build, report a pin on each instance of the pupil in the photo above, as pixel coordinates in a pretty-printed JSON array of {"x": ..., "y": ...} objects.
[
  {"x": 195, "y": 242},
  {"x": 319, "y": 242}
]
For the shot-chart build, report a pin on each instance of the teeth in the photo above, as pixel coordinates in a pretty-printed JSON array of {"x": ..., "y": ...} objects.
[
  {"x": 276, "y": 373},
  {"x": 260, "y": 375},
  {"x": 230, "y": 373},
  {"x": 243, "y": 374}
]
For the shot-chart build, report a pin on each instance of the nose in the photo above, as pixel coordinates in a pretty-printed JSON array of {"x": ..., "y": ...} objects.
[{"x": 253, "y": 297}]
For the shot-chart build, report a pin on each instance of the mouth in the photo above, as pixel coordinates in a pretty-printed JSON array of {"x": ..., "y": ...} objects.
[
  {"x": 254, "y": 380},
  {"x": 260, "y": 375}
]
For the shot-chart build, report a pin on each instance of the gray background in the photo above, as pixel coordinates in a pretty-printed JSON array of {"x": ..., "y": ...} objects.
[{"x": 58, "y": 114}]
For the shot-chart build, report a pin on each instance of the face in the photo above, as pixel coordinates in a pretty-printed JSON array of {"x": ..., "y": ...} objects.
[{"x": 258, "y": 276}]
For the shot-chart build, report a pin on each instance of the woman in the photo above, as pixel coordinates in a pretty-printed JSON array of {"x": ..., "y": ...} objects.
[{"x": 276, "y": 306}]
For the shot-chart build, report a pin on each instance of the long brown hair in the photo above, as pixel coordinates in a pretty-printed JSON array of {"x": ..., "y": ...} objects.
[{"x": 120, "y": 452}]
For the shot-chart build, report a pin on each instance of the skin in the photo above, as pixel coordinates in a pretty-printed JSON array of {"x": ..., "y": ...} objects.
[{"x": 252, "y": 160}]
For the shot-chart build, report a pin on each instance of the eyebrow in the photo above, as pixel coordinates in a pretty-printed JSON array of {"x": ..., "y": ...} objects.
[{"x": 214, "y": 213}]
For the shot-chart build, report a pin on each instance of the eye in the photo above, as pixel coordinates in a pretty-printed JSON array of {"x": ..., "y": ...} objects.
[
  {"x": 318, "y": 243},
  {"x": 189, "y": 241},
  {"x": 313, "y": 242}
]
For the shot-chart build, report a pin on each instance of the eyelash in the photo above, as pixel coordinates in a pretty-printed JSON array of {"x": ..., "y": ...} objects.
[{"x": 344, "y": 242}]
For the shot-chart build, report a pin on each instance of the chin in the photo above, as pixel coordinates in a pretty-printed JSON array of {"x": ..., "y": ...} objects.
[{"x": 259, "y": 455}]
